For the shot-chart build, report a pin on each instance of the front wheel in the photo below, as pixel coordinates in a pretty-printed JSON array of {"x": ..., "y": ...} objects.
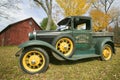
[
  {"x": 34, "y": 60},
  {"x": 106, "y": 52}
]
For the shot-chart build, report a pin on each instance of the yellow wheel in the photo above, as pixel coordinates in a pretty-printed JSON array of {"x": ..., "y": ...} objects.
[
  {"x": 34, "y": 60},
  {"x": 65, "y": 45},
  {"x": 106, "y": 52}
]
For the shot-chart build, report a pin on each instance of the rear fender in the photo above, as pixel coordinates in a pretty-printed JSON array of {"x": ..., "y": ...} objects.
[{"x": 101, "y": 43}]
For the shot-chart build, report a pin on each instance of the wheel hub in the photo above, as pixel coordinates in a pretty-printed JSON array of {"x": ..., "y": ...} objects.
[
  {"x": 63, "y": 46},
  {"x": 34, "y": 60},
  {"x": 106, "y": 53}
]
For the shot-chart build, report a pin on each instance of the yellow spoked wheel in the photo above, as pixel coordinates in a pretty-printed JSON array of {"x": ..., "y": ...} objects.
[
  {"x": 106, "y": 52},
  {"x": 34, "y": 60},
  {"x": 65, "y": 46}
]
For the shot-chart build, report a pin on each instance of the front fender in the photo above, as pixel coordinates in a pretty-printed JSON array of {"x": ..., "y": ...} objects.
[{"x": 41, "y": 44}]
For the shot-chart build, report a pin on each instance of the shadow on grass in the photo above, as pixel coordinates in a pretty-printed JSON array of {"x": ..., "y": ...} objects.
[{"x": 67, "y": 62}]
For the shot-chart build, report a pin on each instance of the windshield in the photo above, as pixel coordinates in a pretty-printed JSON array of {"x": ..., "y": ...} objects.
[{"x": 65, "y": 24}]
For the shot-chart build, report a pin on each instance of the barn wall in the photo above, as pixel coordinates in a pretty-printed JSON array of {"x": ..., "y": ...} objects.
[
  {"x": 18, "y": 33},
  {"x": 1, "y": 39}
]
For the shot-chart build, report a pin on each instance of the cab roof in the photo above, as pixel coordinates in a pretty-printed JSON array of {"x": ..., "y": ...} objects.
[{"x": 83, "y": 18}]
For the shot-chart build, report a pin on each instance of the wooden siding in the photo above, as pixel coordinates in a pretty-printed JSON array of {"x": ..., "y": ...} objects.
[{"x": 17, "y": 33}]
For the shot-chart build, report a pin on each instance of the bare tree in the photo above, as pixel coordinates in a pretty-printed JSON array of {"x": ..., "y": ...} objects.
[
  {"x": 103, "y": 5},
  {"x": 8, "y": 5},
  {"x": 47, "y": 7},
  {"x": 117, "y": 31}
]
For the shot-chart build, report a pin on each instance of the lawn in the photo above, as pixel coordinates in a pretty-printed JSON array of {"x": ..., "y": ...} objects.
[{"x": 87, "y": 69}]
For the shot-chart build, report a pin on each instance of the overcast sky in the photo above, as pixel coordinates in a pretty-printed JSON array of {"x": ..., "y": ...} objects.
[{"x": 27, "y": 10}]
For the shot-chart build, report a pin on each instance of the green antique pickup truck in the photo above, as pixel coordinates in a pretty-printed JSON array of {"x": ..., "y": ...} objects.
[{"x": 73, "y": 40}]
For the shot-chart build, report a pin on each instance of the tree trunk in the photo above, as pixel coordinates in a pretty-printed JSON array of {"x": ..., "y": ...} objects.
[
  {"x": 48, "y": 9},
  {"x": 49, "y": 13},
  {"x": 48, "y": 27}
]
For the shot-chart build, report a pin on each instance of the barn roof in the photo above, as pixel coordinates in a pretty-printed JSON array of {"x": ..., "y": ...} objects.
[{"x": 19, "y": 22}]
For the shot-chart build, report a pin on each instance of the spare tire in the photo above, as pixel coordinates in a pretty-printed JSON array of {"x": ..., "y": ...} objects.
[{"x": 65, "y": 44}]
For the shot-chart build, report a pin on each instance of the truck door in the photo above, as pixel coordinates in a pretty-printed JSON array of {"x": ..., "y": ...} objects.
[
  {"x": 83, "y": 39},
  {"x": 82, "y": 34}
]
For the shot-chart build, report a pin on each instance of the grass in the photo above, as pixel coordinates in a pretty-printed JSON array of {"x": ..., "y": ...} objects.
[{"x": 87, "y": 69}]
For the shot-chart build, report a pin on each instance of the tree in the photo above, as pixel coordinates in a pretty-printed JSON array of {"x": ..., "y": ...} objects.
[
  {"x": 117, "y": 30},
  {"x": 47, "y": 7},
  {"x": 10, "y": 5},
  {"x": 114, "y": 14},
  {"x": 104, "y": 7},
  {"x": 44, "y": 24},
  {"x": 74, "y": 7},
  {"x": 100, "y": 20},
  {"x": 57, "y": 13}
]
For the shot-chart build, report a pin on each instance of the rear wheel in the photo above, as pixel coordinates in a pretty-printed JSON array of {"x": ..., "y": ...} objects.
[
  {"x": 65, "y": 44},
  {"x": 106, "y": 52},
  {"x": 34, "y": 60}
]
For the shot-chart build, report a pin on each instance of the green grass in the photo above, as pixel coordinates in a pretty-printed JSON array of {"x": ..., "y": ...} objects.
[{"x": 87, "y": 69}]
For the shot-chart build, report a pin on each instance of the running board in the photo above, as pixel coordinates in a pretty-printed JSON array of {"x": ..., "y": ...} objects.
[{"x": 83, "y": 56}]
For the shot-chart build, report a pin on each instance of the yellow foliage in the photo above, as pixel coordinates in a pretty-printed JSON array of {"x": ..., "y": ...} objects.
[
  {"x": 74, "y": 7},
  {"x": 100, "y": 20}
]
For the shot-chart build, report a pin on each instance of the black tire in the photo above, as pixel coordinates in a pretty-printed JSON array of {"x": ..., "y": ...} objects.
[
  {"x": 34, "y": 60},
  {"x": 106, "y": 52},
  {"x": 67, "y": 49}
]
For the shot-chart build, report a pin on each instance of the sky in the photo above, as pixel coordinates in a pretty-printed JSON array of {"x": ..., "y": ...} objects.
[{"x": 27, "y": 11}]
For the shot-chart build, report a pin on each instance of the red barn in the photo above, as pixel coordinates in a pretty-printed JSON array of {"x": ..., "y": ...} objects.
[{"x": 17, "y": 33}]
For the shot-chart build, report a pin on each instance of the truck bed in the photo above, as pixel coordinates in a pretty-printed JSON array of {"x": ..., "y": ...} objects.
[{"x": 102, "y": 34}]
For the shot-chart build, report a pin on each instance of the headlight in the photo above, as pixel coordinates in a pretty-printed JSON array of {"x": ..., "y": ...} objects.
[{"x": 32, "y": 35}]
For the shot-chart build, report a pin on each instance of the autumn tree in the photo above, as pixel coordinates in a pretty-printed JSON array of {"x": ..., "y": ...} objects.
[
  {"x": 74, "y": 7},
  {"x": 100, "y": 20},
  {"x": 47, "y": 7},
  {"x": 101, "y": 14}
]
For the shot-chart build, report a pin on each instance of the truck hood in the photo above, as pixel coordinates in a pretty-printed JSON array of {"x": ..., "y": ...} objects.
[{"x": 47, "y": 33}]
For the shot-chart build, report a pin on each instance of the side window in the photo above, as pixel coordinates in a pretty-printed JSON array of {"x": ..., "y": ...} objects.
[{"x": 81, "y": 26}]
